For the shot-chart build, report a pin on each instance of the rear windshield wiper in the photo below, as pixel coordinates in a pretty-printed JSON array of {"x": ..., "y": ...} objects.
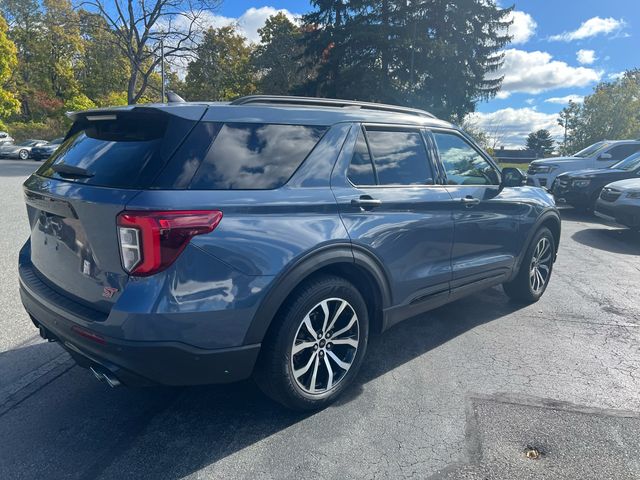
[{"x": 71, "y": 171}]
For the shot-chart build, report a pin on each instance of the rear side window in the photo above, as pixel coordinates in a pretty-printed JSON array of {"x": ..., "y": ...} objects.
[
  {"x": 399, "y": 157},
  {"x": 620, "y": 152},
  {"x": 255, "y": 156},
  {"x": 125, "y": 152}
]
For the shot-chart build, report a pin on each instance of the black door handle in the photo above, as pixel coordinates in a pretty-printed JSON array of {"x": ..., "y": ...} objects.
[
  {"x": 470, "y": 201},
  {"x": 366, "y": 202}
]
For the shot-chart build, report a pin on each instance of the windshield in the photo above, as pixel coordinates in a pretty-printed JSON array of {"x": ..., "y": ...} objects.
[
  {"x": 56, "y": 141},
  {"x": 26, "y": 143},
  {"x": 629, "y": 163},
  {"x": 591, "y": 150}
]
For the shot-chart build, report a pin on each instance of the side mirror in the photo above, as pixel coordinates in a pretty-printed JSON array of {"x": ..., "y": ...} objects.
[
  {"x": 605, "y": 156},
  {"x": 513, "y": 177}
]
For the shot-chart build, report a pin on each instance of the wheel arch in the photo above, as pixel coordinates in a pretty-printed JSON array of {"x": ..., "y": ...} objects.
[
  {"x": 352, "y": 263},
  {"x": 549, "y": 219}
]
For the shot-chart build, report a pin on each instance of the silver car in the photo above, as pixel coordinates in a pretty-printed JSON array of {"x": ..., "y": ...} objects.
[
  {"x": 620, "y": 202},
  {"x": 20, "y": 150},
  {"x": 5, "y": 138}
]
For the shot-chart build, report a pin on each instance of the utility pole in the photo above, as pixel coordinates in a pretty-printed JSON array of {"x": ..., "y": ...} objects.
[{"x": 162, "y": 68}]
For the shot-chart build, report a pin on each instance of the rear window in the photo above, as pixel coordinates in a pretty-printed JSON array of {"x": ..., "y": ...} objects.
[
  {"x": 123, "y": 152},
  {"x": 255, "y": 156}
]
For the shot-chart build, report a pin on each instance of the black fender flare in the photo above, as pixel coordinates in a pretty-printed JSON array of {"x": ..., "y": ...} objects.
[
  {"x": 552, "y": 215},
  {"x": 300, "y": 269}
]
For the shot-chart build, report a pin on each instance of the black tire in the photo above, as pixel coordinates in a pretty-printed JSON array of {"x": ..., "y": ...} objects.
[
  {"x": 521, "y": 288},
  {"x": 23, "y": 154},
  {"x": 275, "y": 366}
]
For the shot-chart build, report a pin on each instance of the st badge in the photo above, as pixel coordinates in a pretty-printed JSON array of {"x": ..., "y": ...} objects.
[{"x": 108, "y": 292}]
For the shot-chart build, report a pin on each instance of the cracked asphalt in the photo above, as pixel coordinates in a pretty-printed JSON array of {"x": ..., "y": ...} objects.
[{"x": 456, "y": 393}]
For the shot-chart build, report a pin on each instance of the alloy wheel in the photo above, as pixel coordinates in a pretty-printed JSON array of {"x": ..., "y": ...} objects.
[
  {"x": 540, "y": 267},
  {"x": 325, "y": 346}
]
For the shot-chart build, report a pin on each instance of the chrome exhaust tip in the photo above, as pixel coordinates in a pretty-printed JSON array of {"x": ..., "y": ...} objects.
[{"x": 106, "y": 376}]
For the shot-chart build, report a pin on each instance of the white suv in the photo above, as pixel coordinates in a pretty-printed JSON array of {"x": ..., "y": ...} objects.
[{"x": 603, "y": 154}]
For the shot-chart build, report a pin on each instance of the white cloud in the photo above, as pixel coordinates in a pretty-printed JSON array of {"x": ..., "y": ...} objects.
[
  {"x": 615, "y": 76},
  {"x": 509, "y": 127},
  {"x": 586, "y": 57},
  {"x": 536, "y": 72},
  {"x": 248, "y": 23},
  {"x": 522, "y": 28},
  {"x": 565, "y": 100},
  {"x": 590, "y": 28},
  {"x": 530, "y": 101}
]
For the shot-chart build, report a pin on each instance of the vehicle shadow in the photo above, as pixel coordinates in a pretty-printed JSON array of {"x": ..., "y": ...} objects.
[
  {"x": 174, "y": 432},
  {"x": 620, "y": 240}
]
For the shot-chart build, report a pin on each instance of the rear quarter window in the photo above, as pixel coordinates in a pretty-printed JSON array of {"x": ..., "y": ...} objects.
[{"x": 255, "y": 156}]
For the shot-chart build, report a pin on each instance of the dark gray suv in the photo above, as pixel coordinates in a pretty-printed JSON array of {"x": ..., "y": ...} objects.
[{"x": 196, "y": 243}]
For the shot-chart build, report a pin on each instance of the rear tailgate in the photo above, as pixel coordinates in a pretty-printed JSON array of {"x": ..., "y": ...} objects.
[{"x": 73, "y": 200}]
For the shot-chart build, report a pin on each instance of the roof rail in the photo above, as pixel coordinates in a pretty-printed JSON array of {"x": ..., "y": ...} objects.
[{"x": 327, "y": 102}]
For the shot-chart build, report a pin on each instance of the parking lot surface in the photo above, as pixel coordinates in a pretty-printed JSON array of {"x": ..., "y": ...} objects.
[{"x": 461, "y": 392}]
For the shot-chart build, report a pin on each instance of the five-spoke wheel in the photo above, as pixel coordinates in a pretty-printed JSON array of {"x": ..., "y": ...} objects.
[
  {"x": 325, "y": 345},
  {"x": 540, "y": 266},
  {"x": 316, "y": 345},
  {"x": 535, "y": 269}
]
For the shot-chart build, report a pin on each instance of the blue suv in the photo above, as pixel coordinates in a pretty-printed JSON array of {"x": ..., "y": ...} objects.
[{"x": 196, "y": 243}]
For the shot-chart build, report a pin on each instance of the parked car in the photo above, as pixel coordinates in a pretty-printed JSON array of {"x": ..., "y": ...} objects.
[
  {"x": 196, "y": 243},
  {"x": 43, "y": 152},
  {"x": 20, "y": 150},
  {"x": 5, "y": 138},
  {"x": 620, "y": 202},
  {"x": 603, "y": 154},
  {"x": 582, "y": 188}
]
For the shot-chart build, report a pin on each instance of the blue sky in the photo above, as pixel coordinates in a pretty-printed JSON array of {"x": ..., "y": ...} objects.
[{"x": 561, "y": 49}]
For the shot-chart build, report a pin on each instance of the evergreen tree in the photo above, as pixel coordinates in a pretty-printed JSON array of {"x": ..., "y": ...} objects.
[
  {"x": 540, "y": 142},
  {"x": 441, "y": 55},
  {"x": 277, "y": 58}
]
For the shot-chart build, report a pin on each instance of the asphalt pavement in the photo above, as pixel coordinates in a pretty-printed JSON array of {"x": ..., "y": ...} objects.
[{"x": 466, "y": 391}]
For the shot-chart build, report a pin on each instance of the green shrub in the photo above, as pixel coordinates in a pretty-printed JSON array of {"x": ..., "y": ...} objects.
[{"x": 47, "y": 130}]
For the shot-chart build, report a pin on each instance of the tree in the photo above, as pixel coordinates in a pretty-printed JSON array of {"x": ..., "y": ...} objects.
[
  {"x": 64, "y": 47},
  {"x": 104, "y": 70},
  {"x": 569, "y": 120},
  {"x": 277, "y": 58},
  {"x": 8, "y": 62},
  {"x": 25, "y": 30},
  {"x": 221, "y": 69},
  {"x": 540, "y": 142},
  {"x": 441, "y": 55},
  {"x": 138, "y": 28},
  {"x": 611, "y": 112}
]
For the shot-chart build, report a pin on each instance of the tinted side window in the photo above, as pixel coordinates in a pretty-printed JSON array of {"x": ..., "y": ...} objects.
[
  {"x": 620, "y": 152},
  {"x": 254, "y": 156},
  {"x": 462, "y": 163},
  {"x": 361, "y": 169},
  {"x": 399, "y": 157}
]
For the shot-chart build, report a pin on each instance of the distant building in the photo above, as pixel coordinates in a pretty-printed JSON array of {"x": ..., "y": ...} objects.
[{"x": 507, "y": 155}]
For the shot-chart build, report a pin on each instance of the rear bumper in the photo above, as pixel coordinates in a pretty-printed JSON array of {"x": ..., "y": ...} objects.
[{"x": 133, "y": 363}]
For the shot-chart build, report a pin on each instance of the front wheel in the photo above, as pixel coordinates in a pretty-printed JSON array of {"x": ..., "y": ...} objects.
[
  {"x": 535, "y": 271},
  {"x": 23, "y": 154},
  {"x": 314, "y": 351}
]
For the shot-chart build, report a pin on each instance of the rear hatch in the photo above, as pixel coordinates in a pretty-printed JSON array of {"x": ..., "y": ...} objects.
[{"x": 74, "y": 198}]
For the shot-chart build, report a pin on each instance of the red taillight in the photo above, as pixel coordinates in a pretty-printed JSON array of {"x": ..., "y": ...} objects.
[{"x": 151, "y": 241}]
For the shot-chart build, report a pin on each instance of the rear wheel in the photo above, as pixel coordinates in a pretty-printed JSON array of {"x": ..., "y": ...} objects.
[
  {"x": 535, "y": 270},
  {"x": 23, "y": 154},
  {"x": 315, "y": 350}
]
